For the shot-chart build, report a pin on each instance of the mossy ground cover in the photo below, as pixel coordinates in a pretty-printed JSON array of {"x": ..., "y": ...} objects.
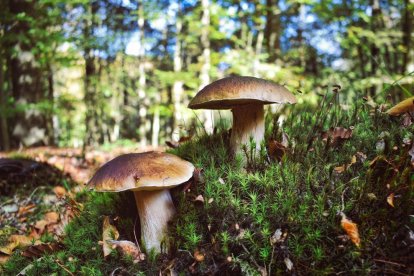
[{"x": 236, "y": 227}]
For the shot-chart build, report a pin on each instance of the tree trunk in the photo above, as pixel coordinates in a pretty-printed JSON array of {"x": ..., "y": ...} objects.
[
  {"x": 92, "y": 135},
  {"x": 156, "y": 121},
  {"x": 177, "y": 89},
  {"x": 143, "y": 100},
  {"x": 28, "y": 81},
  {"x": 258, "y": 51},
  {"x": 205, "y": 69},
  {"x": 272, "y": 29},
  {"x": 4, "y": 128},
  {"x": 407, "y": 29}
]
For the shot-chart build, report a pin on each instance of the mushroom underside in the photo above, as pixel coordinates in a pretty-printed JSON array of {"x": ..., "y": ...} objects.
[
  {"x": 155, "y": 209},
  {"x": 248, "y": 123}
]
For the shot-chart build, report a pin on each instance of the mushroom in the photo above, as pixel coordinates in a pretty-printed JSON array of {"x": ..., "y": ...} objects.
[
  {"x": 245, "y": 96},
  {"x": 149, "y": 175}
]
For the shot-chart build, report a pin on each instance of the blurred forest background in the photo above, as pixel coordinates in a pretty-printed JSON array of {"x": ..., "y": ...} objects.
[{"x": 83, "y": 73}]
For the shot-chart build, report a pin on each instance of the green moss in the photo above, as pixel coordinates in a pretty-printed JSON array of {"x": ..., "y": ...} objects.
[{"x": 302, "y": 196}]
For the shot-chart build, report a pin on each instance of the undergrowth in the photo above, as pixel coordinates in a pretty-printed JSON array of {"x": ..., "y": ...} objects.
[{"x": 301, "y": 197}]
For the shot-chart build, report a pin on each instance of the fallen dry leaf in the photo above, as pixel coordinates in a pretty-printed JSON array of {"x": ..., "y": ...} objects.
[
  {"x": 4, "y": 258},
  {"x": 390, "y": 200},
  {"x": 128, "y": 248},
  {"x": 405, "y": 106},
  {"x": 199, "y": 198},
  {"x": 288, "y": 263},
  {"x": 52, "y": 217},
  {"x": 8, "y": 248},
  {"x": 109, "y": 233},
  {"x": 276, "y": 150},
  {"x": 26, "y": 209},
  {"x": 41, "y": 225},
  {"x": 17, "y": 241},
  {"x": 407, "y": 120},
  {"x": 176, "y": 144},
  {"x": 351, "y": 230},
  {"x": 198, "y": 256},
  {"x": 41, "y": 249},
  {"x": 59, "y": 191},
  {"x": 277, "y": 237},
  {"x": 341, "y": 169},
  {"x": 285, "y": 139},
  {"x": 336, "y": 135}
]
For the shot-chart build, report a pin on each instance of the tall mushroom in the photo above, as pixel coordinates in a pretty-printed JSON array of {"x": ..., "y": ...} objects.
[
  {"x": 149, "y": 175},
  {"x": 245, "y": 96}
]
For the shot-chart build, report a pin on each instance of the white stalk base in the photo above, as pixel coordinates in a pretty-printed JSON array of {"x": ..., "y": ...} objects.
[
  {"x": 248, "y": 121},
  {"x": 155, "y": 209}
]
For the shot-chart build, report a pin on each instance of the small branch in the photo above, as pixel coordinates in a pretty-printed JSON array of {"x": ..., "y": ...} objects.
[
  {"x": 389, "y": 262},
  {"x": 64, "y": 268}
]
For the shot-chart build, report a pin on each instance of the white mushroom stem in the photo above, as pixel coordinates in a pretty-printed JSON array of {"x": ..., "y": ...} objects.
[
  {"x": 155, "y": 209},
  {"x": 248, "y": 122}
]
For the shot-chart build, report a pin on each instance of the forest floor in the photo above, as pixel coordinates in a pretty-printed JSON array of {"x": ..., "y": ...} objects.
[{"x": 331, "y": 192}]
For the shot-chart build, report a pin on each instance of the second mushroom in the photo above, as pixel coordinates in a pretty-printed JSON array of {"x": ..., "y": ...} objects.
[{"x": 149, "y": 175}]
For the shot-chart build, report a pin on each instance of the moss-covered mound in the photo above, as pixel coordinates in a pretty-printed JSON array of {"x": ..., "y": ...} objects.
[{"x": 280, "y": 215}]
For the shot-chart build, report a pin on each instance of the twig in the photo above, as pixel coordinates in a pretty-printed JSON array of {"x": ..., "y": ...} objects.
[
  {"x": 64, "y": 268},
  {"x": 182, "y": 250},
  {"x": 135, "y": 229},
  {"x": 271, "y": 261},
  {"x": 342, "y": 200},
  {"x": 251, "y": 258},
  {"x": 389, "y": 262},
  {"x": 113, "y": 272}
]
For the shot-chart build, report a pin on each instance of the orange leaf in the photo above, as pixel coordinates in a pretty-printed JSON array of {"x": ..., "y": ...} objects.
[
  {"x": 59, "y": 191},
  {"x": 128, "y": 248},
  {"x": 109, "y": 233},
  {"x": 351, "y": 230},
  {"x": 198, "y": 256},
  {"x": 390, "y": 200}
]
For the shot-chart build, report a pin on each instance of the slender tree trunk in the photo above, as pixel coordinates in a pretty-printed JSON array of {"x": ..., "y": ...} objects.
[
  {"x": 407, "y": 30},
  {"x": 177, "y": 89},
  {"x": 205, "y": 69},
  {"x": 258, "y": 51},
  {"x": 376, "y": 13},
  {"x": 4, "y": 128},
  {"x": 156, "y": 121},
  {"x": 272, "y": 29},
  {"x": 27, "y": 79},
  {"x": 92, "y": 135},
  {"x": 51, "y": 130},
  {"x": 143, "y": 100}
]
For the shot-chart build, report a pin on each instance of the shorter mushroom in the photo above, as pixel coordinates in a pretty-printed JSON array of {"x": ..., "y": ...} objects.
[{"x": 149, "y": 175}]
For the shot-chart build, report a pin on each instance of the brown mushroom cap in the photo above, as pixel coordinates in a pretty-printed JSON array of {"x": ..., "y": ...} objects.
[
  {"x": 230, "y": 92},
  {"x": 146, "y": 171}
]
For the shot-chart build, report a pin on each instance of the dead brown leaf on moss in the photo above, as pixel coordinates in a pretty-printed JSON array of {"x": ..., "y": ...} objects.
[
  {"x": 128, "y": 248},
  {"x": 17, "y": 241},
  {"x": 176, "y": 144},
  {"x": 59, "y": 191},
  {"x": 199, "y": 256},
  {"x": 390, "y": 200},
  {"x": 351, "y": 230},
  {"x": 341, "y": 169},
  {"x": 109, "y": 233},
  {"x": 276, "y": 150},
  {"x": 38, "y": 250},
  {"x": 336, "y": 135}
]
